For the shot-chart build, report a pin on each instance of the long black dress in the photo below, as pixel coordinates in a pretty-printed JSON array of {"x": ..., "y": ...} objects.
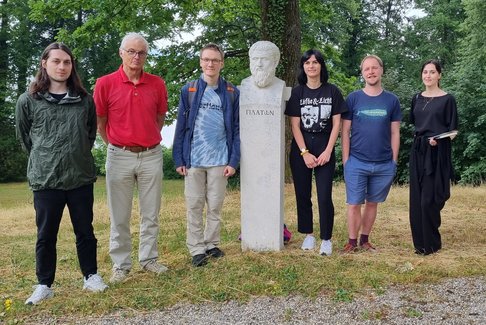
[{"x": 430, "y": 168}]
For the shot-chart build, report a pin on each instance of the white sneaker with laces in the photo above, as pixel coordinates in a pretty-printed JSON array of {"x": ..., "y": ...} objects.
[
  {"x": 118, "y": 275},
  {"x": 155, "y": 267},
  {"x": 326, "y": 248},
  {"x": 309, "y": 243},
  {"x": 94, "y": 283},
  {"x": 41, "y": 292}
]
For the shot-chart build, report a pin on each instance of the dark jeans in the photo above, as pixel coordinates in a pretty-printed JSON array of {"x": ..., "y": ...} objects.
[
  {"x": 49, "y": 206},
  {"x": 302, "y": 177}
]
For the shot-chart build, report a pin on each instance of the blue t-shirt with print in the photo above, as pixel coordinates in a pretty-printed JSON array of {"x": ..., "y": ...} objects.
[
  {"x": 371, "y": 118},
  {"x": 209, "y": 146}
]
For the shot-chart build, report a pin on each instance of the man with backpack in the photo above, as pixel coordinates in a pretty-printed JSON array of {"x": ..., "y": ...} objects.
[{"x": 206, "y": 151}]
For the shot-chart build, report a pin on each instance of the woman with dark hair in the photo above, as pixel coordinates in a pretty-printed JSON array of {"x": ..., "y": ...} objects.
[
  {"x": 434, "y": 115},
  {"x": 315, "y": 107}
]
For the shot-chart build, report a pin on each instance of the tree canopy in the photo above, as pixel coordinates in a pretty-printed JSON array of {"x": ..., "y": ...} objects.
[{"x": 344, "y": 30}]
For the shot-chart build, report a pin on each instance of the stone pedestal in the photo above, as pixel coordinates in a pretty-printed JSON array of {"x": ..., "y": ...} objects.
[{"x": 262, "y": 164}]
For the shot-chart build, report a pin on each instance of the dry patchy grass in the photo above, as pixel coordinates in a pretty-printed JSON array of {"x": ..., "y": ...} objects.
[{"x": 239, "y": 275}]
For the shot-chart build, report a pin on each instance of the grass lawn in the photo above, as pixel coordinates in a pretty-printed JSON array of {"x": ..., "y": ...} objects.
[{"x": 239, "y": 275}]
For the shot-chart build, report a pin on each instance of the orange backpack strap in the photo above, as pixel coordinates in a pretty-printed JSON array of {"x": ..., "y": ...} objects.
[
  {"x": 230, "y": 89},
  {"x": 191, "y": 93}
]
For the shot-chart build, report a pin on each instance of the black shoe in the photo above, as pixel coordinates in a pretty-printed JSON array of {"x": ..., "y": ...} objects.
[
  {"x": 215, "y": 252},
  {"x": 200, "y": 260}
]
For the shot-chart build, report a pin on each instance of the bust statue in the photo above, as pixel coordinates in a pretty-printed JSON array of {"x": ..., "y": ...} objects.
[
  {"x": 264, "y": 58},
  {"x": 263, "y": 86},
  {"x": 262, "y": 103}
]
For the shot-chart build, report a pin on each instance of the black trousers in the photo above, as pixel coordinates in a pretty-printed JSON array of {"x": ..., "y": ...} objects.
[
  {"x": 424, "y": 213},
  {"x": 302, "y": 177},
  {"x": 49, "y": 206}
]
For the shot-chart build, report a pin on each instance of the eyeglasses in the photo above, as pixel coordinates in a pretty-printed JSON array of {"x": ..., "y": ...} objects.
[
  {"x": 140, "y": 54},
  {"x": 213, "y": 61}
]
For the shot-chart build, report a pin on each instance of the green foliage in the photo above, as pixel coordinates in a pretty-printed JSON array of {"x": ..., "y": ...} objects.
[
  {"x": 439, "y": 30},
  {"x": 13, "y": 161},
  {"x": 344, "y": 30},
  {"x": 169, "y": 167},
  {"x": 404, "y": 89},
  {"x": 234, "y": 181},
  {"x": 99, "y": 155},
  {"x": 469, "y": 86}
]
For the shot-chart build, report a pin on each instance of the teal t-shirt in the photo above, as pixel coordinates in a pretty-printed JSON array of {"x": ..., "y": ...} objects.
[
  {"x": 209, "y": 147},
  {"x": 371, "y": 118}
]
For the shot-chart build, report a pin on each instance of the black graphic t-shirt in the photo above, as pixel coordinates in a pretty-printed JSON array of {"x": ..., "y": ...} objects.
[{"x": 315, "y": 107}]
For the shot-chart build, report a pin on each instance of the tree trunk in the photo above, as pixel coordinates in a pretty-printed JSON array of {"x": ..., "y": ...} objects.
[
  {"x": 281, "y": 25},
  {"x": 4, "y": 57}
]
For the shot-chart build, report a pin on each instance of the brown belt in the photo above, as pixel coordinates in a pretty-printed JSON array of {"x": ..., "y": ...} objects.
[{"x": 135, "y": 149}]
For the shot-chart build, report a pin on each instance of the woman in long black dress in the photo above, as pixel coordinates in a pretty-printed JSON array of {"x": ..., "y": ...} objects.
[{"x": 434, "y": 112}]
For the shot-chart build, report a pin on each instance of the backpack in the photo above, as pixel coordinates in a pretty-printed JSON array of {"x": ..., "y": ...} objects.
[{"x": 192, "y": 92}]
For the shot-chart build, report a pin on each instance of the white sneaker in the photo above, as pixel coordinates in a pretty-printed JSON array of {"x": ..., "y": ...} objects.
[
  {"x": 40, "y": 293},
  {"x": 155, "y": 267},
  {"x": 309, "y": 243},
  {"x": 326, "y": 248},
  {"x": 94, "y": 284},
  {"x": 118, "y": 275}
]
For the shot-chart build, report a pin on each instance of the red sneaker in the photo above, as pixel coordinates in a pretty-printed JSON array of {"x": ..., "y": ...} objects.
[
  {"x": 368, "y": 247},
  {"x": 348, "y": 249}
]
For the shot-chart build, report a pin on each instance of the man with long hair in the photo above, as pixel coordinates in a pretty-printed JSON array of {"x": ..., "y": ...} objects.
[{"x": 56, "y": 123}]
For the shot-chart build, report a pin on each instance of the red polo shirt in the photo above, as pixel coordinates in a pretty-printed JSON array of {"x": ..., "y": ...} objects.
[{"x": 131, "y": 110}]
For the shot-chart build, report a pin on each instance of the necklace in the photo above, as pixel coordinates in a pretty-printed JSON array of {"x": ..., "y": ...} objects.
[
  {"x": 314, "y": 86},
  {"x": 427, "y": 101}
]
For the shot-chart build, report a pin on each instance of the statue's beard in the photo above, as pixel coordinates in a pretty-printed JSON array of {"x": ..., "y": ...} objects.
[{"x": 262, "y": 78}]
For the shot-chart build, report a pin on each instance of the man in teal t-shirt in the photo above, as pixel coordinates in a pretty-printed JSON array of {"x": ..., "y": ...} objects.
[{"x": 370, "y": 144}]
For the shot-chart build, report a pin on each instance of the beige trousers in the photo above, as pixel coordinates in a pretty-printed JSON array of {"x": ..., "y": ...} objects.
[
  {"x": 124, "y": 170},
  {"x": 204, "y": 186}
]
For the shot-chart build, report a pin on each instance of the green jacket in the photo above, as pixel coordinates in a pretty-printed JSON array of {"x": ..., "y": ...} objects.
[{"x": 58, "y": 136}]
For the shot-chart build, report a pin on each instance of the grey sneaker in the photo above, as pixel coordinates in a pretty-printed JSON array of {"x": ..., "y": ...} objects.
[
  {"x": 41, "y": 292},
  {"x": 118, "y": 275},
  {"x": 309, "y": 243},
  {"x": 326, "y": 248},
  {"x": 155, "y": 267},
  {"x": 94, "y": 283}
]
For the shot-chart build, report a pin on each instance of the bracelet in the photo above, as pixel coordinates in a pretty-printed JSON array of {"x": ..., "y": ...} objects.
[{"x": 303, "y": 151}]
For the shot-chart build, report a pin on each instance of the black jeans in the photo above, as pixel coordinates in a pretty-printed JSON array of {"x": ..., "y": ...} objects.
[
  {"x": 302, "y": 177},
  {"x": 49, "y": 206}
]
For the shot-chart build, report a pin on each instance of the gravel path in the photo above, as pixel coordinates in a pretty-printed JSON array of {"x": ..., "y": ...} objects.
[{"x": 455, "y": 301}]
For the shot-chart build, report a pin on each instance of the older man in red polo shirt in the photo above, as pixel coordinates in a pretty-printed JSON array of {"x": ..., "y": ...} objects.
[{"x": 131, "y": 105}]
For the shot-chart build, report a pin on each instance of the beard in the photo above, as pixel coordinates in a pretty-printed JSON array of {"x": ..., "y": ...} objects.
[{"x": 262, "y": 78}]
